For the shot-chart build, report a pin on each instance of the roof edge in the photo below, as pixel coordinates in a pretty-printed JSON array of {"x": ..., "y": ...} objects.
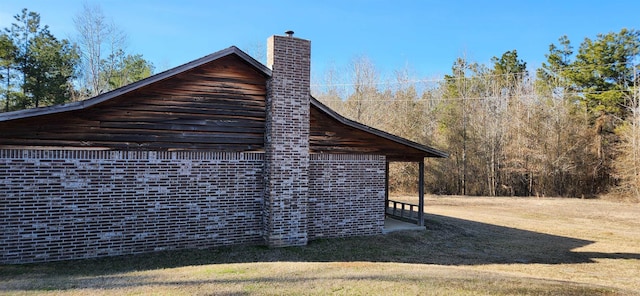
[
  {"x": 354, "y": 124},
  {"x": 6, "y": 116}
]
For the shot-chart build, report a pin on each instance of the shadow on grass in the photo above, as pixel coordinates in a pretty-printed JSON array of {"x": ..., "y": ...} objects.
[
  {"x": 299, "y": 285},
  {"x": 447, "y": 241}
]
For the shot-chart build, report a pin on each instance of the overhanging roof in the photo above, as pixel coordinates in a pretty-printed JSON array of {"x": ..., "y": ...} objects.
[{"x": 425, "y": 150}]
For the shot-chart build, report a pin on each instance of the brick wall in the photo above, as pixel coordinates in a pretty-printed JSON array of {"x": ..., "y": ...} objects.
[
  {"x": 58, "y": 205},
  {"x": 346, "y": 195},
  {"x": 287, "y": 141}
]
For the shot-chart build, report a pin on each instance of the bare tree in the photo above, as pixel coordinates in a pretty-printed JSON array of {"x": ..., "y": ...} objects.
[
  {"x": 101, "y": 45},
  {"x": 361, "y": 105},
  {"x": 329, "y": 89},
  {"x": 627, "y": 165}
]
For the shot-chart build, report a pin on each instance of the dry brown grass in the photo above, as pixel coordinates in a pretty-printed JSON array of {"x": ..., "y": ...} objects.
[
  {"x": 473, "y": 246},
  {"x": 587, "y": 241}
]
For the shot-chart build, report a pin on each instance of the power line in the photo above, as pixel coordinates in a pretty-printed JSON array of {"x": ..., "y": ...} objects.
[
  {"x": 481, "y": 76},
  {"x": 516, "y": 96}
]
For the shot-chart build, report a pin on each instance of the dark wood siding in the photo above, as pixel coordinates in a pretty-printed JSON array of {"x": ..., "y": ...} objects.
[
  {"x": 328, "y": 135},
  {"x": 217, "y": 106}
]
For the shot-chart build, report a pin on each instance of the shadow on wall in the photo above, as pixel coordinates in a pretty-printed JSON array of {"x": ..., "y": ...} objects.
[{"x": 447, "y": 241}]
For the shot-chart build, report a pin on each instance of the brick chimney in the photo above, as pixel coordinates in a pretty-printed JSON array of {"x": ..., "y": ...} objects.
[{"x": 287, "y": 141}]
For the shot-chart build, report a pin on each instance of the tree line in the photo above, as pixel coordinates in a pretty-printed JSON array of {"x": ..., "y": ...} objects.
[
  {"x": 571, "y": 128},
  {"x": 37, "y": 69}
]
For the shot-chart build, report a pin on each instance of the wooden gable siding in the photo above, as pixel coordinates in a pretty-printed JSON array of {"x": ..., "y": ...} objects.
[
  {"x": 217, "y": 106},
  {"x": 328, "y": 135}
]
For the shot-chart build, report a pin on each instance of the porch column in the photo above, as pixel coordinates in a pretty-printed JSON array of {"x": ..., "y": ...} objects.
[{"x": 421, "y": 193}]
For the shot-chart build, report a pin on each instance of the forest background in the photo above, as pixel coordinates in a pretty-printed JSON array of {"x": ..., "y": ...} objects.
[{"x": 569, "y": 128}]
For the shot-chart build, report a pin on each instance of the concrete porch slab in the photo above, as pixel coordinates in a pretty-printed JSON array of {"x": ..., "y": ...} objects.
[{"x": 393, "y": 225}]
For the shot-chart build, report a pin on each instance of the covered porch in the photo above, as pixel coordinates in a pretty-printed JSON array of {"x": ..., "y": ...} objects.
[{"x": 400, "y": 214}]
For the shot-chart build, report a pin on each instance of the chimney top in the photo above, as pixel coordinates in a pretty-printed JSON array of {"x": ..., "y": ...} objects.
[{"x": 289, "y": 33}]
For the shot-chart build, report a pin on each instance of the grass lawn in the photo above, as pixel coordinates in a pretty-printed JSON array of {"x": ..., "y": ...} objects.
[{"x": 472, "y": 246}]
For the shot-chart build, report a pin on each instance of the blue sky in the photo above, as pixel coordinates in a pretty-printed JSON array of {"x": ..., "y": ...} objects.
[{"x": 426, "y": 36}]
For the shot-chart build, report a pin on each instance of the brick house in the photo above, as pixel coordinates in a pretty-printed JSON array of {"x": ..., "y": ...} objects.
[{"x": 219, "y": 151}]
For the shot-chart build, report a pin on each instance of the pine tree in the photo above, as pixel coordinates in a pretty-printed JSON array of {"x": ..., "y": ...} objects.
[{"x": 45, "y": 64}]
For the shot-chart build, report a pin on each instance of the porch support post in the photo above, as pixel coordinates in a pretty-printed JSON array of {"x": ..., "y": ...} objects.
[
  {"x": 421, "y": 193},
  {"x": 386, "y": 187}
]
